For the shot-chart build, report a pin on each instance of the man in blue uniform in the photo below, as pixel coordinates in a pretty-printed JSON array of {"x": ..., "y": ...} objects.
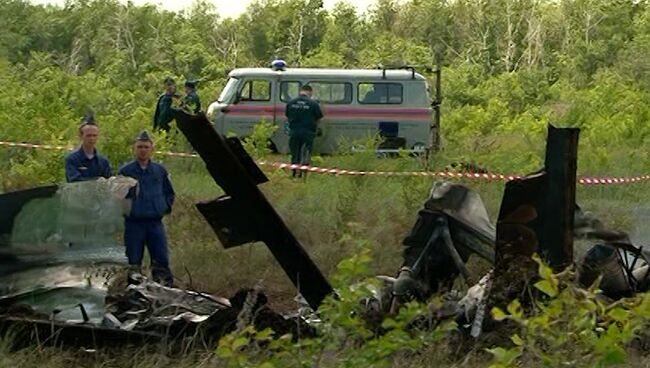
[
  {"x": 151, "y": 199},
  {"x": 164, "y": 115},
  {"x": 86, "y": 163},
  {"x": 303, "y": 115}
]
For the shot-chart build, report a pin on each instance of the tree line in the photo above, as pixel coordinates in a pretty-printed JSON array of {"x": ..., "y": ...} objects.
[{"x": 509, "y": 66}]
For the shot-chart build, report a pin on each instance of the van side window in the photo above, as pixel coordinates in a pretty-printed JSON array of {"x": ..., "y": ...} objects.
[
  {"x": 380, "y": 93},
  {"x": 289, "y": 90},
  {"x": 332, "y": 92},
  {"x": 256, "y": 90}
]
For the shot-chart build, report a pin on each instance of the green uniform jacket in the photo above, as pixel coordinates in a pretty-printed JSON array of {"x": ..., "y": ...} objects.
[
  {"x": 192, "y": 103},
  {"x": 163, "y": 115}
]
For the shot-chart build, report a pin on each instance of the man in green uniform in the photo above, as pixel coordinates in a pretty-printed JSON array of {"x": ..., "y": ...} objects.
[
  {"x": 164, "y": 116},
  {"x": 303, "y": 115},
  {"x": 191, "y": 102}
]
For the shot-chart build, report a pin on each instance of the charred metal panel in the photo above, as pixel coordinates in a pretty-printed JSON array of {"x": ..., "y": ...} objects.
[
  {"x": 537, "y": 211},
  {"x": 519, "y": 221},
  {"x": 247, "y": 161},
  {"x": 229, "y": 220},
  {"x": 556, "y": 237},
  {"x": 26, "y": 331},
  {"x": 235, "y": 172}
]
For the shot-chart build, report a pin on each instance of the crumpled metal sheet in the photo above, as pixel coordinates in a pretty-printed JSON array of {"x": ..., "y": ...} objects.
[
  {"x": 469, "y": 221},
  {"x": 147, "y": 305},
  {"x": 61, "y": 263},
  {"x": 58, "y": 291},
  {"x": 12, "y": 203},
  {"x": 60, "y": 257},
  {"x": 68, "y": 281},
  {"x": 463, "y": 205},
  {"x": 82, "y": 213}
]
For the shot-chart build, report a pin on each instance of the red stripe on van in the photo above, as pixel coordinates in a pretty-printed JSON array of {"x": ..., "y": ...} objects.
[{"x": 399, "y": 113}]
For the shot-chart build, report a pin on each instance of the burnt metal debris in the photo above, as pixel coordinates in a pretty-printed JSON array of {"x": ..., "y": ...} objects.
[
  {"x": 537, "y": 217},
  {"x": 537, "y": 211},
  {"x": 244, "y": 215},
  {"x": 67, "y": 289},
  {"x": 452, "y": 225},
  {"x": 144, "y": 312}
]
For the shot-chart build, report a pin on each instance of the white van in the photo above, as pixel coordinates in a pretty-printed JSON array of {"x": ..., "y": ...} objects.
[{"x": 357, "y": 104}]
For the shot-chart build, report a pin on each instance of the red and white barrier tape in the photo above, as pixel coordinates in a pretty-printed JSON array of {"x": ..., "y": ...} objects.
[
  {"x": 340, "y": 172},
  {"x": 441, "y": 174}
]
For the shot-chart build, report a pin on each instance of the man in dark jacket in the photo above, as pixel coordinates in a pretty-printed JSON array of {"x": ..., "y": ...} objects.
[
  {"x": 150, "y": 201},
  {"x": 303, "y": 115},
  {"x": 191, "y": 102},
  {"x": 164, "y": 115},
  {"x": 85, "y": 163}
]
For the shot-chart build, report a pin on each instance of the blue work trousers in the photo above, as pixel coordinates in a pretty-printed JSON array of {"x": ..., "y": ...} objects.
[{"x": 137, "y": 233}]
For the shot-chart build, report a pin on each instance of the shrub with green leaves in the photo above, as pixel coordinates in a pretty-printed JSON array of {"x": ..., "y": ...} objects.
[
  {"x": 344, "y": 338},
  {"x": 570, "y": 326}
]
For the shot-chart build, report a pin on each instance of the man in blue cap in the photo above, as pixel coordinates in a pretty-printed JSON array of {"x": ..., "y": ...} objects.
[
  {"x": 151, "y": 199},
  {"x": 303, "y": 115},
  {"x": 164, "y": 115},
  {"x": 85, "y": 163}
]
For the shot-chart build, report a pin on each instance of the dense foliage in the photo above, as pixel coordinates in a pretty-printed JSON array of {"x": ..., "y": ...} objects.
[{"x": 510, "y": 67}]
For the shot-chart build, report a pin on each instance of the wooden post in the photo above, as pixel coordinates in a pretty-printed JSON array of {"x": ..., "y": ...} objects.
[{"x": 435, "y": 128}]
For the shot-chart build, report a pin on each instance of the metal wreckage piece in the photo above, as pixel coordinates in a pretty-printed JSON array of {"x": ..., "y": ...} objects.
[
  {"x": 65, "y": 281},
  {"x": 538, "y": 214},
  {"x": 243, "y": 214},
  {"x": 452, "y": 226}
]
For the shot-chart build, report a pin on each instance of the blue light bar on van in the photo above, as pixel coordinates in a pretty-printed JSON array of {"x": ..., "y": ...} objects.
[{"x": 278, "y": 64}]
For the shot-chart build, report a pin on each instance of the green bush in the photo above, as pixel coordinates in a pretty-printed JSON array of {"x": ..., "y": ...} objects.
[{"x": 570, "y": 326}]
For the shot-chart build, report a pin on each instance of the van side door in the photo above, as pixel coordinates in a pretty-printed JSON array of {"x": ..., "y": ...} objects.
[{"x": 335, "y": 98}]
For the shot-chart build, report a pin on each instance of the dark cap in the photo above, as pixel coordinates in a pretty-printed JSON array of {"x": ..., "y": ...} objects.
[
  {"x": 143, "y": 137},
  {"x": 191, "y": 83},
  {"x": 169, "y": 80},
  {"x": 306, "y": 87},
  {"x": 88, "y": 119}
]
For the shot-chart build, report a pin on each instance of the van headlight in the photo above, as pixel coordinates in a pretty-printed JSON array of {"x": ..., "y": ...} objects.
[{"x": 211, "y": 113}]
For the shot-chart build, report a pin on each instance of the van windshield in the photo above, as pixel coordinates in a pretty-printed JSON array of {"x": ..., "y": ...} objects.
[{"x": 228, "y": 91}]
